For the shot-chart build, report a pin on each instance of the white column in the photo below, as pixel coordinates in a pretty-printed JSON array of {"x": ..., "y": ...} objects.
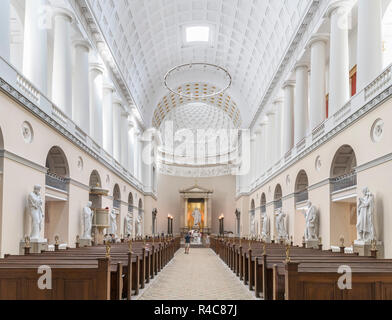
[
  {"x": 288, "y": 117},
  {"x": 270, "y": 150},
  {"x": 278, "y": 105},
  {"x": 253, "y": 159},
  {"x": 138, "y": 156},
  {"x": 263, "y": 147},
  {"x": 96, "y": 93},
  {"x": 124, "y": 138},
  {"x": 339, "y": 82},
  {"x": 108, "y": 90},
  {"x": 5, "y": 29},
  {"x": 317, "y": 111},
  {"x": 370, "y": 62},
  {"x": 259, "y": 151},
  {"x": 117, "y": 110},
  {"x": 35, "y": 48},
  {"x": 62, "y": 61},
  {"x": 81, "y": 85},
  {"x": 301, "y": 102},
  {"x": 131, "y": 159}
]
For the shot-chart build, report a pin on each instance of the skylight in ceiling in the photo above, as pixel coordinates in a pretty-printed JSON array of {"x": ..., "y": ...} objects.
[{"x": 197, "y": 34}]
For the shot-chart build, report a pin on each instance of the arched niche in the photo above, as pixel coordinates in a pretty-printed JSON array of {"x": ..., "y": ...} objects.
[
  {"x": 130, "y": 202},
  {"x": 278, "y": 197},
  {"x": 116, "y": 197},
  {"x": 56, "y": 196},
  {"x": 57, "y": 162},
  {"x": 1, "y": 140},
  {"x": 301, "y": 187},
  {"x": 344, "y": 162},
  {"x": 343, "y": 206},
  {"x": 95, "y": 180},
  {"x": 263, "y": 202}
]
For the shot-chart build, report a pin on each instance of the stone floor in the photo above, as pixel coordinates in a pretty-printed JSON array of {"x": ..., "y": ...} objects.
[{"x": 201, "y": 275}]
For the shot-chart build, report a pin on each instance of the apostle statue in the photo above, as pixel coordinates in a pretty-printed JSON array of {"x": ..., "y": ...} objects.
[
  {"x": 128, "y": 225},
  {"x": 196, "y": 214},
  {"x": 252, "y": 223},
  {"x": 280, "y": 225},
  {"x": 139, "y": 225},
  {"x": 312, "y": 223},
  {"x": 365, "y": 223},
  {"x": 36, "y": 212},
  {"x": 113, "y": 222},
  {"x": 87, "y": 221},
  {"x": 266, "y": 232}
]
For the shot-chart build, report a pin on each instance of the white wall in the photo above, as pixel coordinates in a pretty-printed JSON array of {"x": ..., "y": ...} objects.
[{"x": 169, "y": 200}]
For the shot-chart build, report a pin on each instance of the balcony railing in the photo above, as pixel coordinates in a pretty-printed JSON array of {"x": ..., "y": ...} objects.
[
  {"x": 344, "y": 182},
  {"x": 302, "y": 196},
  {"x": 54, "y": 181},
  {"x": 17, "y": 86},
  {"x": 360, "y": 104},
  {"x": 117, "y": 204}
]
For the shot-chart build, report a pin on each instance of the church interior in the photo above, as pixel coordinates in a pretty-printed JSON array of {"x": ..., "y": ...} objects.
[{"x": 253, "y": 132}]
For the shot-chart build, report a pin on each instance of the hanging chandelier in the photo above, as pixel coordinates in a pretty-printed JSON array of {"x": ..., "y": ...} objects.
[{"x": 198, "y": 72}]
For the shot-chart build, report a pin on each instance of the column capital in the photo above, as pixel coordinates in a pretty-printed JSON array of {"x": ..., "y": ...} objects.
[
  {"x": 300, "y": 65},
  {"x": 270, "y": 113},
  {"x": 318, "y": 37},
  {"x": 58, "y": 11},
  {"x": 109, "y": 86},
  {"x": 277, "y": 101},
  {"x": 262, "y": 124},
  {"x": 82, "y": 43},
  {"x": 288, "y": 83},
  {"x": 339, "y": 4},
  {"x": 97, "y": 67}
]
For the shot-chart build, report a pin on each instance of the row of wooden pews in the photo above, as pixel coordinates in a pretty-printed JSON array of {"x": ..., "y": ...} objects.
[
  {"x": 103, "y": 272},
  {"x": 279, "y": 271}
]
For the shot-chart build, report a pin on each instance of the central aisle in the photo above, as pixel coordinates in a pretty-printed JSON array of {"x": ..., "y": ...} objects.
[{"x": 201, "y": 275}]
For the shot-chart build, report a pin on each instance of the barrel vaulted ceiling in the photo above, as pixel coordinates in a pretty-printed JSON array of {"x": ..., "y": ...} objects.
[{"x": 248, "y": 38}]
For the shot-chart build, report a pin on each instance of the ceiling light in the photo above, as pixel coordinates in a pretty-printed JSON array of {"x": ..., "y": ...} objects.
[{"x": 198, "y": 34}]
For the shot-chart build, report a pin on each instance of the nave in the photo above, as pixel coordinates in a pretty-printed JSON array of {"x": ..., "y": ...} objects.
[{"x": 201, "y": 275}]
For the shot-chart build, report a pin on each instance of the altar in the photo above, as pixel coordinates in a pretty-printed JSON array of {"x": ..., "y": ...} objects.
[{"x": 197, "y": 208}]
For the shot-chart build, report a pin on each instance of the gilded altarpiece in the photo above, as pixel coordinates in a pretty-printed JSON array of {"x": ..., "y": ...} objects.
[{"x": 200, "y": 198}]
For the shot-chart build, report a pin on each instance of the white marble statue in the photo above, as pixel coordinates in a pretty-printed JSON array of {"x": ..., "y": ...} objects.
[
  {"x": 139, "y": 226},
  {"x": 312, "y": 223},
  {"x": 87, "y": 221},
  {"x": 196, "y": 214},
  {"x": 252, "y": 224},
  {"x": 365, "y": 222},
  {"x": 128, "y": 225},
  {"x": 266, "y": 230},
  {"x": 36, "y": 212},
  {"x": 280, "y": 225},
  {"x": 113, "y": 222}
]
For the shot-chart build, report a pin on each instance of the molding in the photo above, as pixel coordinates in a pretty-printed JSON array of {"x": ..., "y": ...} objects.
[
  {"x": 290, "y": 54},
  {"x": 374, "y": 163},
  {"x": 79, "y": 185},
  {"x": 23, "y": 101},
  {"x": 368, "y": 107},
  {"x": 13, "y": 157},
  {"x": 319, "y": 184}
]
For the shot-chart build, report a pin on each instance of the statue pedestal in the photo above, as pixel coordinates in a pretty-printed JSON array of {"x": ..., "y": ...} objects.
[
  {"x": 312, "y": 244},
  {"x": 363, "y": 248},
  {"x": 36, "y": 246},
  {"x": 85, "y": 243},
  {"x": 267, "y": 239}
]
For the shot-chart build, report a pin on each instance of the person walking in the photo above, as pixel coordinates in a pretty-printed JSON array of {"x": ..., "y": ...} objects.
[{"x": 187, "y": 242}]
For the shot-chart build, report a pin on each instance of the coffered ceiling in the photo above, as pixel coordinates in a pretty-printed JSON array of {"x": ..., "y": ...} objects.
[{"x": 248, "y": 39}]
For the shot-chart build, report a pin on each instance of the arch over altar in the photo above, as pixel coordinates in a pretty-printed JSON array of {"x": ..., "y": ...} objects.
[{"x": 197, "y": 208}]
